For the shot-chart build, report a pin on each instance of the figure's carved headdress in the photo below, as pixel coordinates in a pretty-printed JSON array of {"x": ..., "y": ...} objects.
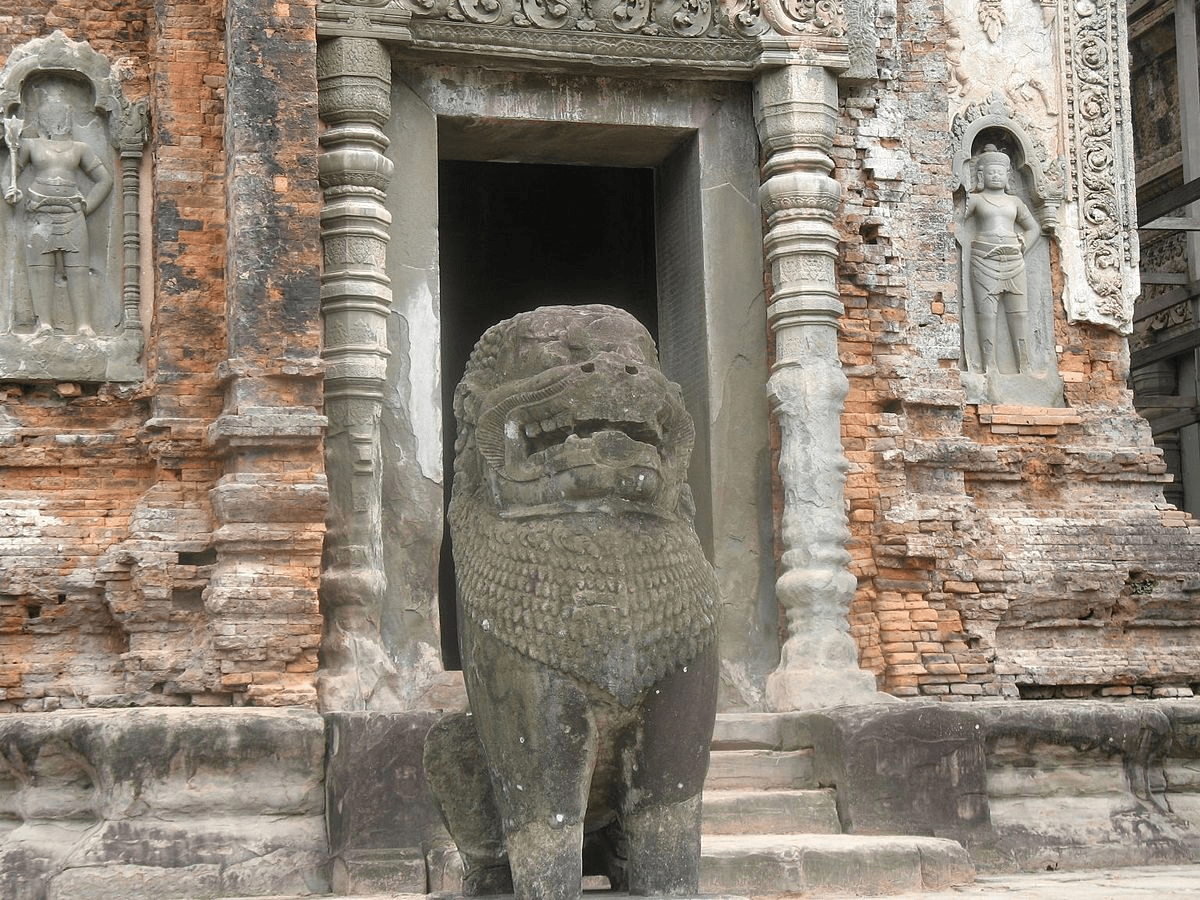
[
  {"x": 992, "y": 154},
  {"x": 54, "y": 111}
]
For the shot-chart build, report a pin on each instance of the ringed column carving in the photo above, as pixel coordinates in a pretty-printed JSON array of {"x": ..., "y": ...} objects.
[
  {"x": 134, "y": 131},
  {"x": 354, "y": 79},
  {"x": 796, "y": 114}
]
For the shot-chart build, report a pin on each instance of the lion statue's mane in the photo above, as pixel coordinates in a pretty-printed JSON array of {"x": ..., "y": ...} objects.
[{"x": 570, "y": 515}]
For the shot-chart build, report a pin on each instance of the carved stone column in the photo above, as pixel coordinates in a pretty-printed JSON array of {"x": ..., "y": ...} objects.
[
  {"x": 354, "y": 77},
  {"x": 133, "y": 136},
  {"x": 796, "y": 113}
]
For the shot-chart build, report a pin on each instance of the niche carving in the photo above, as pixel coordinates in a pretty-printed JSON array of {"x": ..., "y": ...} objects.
[
  {"x": 69, "y": 226},
  {"x": 1007, "y": 195}
]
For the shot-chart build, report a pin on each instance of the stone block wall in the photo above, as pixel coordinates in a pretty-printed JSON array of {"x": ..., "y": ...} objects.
[
  {"x": 1001, "y": 550},
  {"x": 145, "y": 804},
  {"x": 1070, "y": 783},
  {"x": 1024, "y": 786},
  {"x": 160, "y": 541}
]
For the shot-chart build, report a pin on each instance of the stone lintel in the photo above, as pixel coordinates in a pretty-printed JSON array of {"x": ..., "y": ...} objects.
[
  {"x": 247, "y": 540},
  {"x": 1027, "y": 415},
  {"x": 262, "y": 498},
  {"x": 175, "y": 428},
  {"x": 608, "y": 895},
  {"x": 734, "y": 45},
  {"x": 790, "y": 50}
]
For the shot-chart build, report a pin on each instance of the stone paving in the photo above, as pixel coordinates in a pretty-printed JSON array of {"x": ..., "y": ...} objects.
[
  {"x": 1163, "y": 882},
  {"x": 1133, "y": 883}
]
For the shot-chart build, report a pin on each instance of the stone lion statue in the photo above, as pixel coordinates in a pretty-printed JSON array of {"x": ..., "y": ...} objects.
[{"x": 586, "y": 615}]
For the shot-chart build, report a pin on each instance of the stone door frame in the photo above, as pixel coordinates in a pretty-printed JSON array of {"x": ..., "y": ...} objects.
[{"x": 381, "y": 95}]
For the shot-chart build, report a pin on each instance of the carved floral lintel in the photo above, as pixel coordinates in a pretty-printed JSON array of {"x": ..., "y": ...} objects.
[{"x": 720, "y": 34}]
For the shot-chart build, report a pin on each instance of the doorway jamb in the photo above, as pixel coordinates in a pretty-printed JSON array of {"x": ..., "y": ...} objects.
[{"x": 354, "y": 75}]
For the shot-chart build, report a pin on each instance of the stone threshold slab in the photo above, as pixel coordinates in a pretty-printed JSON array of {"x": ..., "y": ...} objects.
[
  {"x": 598, "y": 893},
  {"x": 452, "y": 895}
]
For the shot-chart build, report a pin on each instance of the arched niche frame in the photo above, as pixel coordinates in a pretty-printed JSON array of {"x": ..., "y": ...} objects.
[
  {"x": 105, "y": 127},
  {"x": 1024, "y": 369}
]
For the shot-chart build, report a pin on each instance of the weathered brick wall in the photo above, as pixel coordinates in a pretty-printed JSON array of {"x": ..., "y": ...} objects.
[
  {"x": 1001, "y": 551},
  {"x": 160, "y": 543}
]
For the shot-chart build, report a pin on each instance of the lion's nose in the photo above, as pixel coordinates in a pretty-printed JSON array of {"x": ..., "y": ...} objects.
[
  {"x": 612, "y": 365},
  {"x": 630, "y": 369}
]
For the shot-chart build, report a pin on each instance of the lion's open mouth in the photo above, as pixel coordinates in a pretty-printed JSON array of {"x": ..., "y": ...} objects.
[
  {"x": 549, "y": 447},
  {"x": 542, "y": 436},
  {"x": 566, "y": 411}
]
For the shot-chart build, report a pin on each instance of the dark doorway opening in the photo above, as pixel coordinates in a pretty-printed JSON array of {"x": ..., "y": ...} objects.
[{"x": 513, "y": 237}]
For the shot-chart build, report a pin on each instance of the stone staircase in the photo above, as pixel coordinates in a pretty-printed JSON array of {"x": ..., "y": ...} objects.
[
  {"x": 770, "y": 828},
  {"x": 232, "y": 801}
]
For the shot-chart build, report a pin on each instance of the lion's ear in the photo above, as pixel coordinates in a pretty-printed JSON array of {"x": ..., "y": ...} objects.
[
  {"x": 467, "y": 400},
  {"x": 686, "y": 507}
]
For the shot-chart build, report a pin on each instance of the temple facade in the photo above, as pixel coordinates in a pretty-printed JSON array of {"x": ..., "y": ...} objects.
[{"x": 888, "y": 248}]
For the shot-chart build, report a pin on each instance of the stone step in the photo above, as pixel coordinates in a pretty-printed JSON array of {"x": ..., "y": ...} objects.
[
  {"x": 457, "y": 895},
  {"x": 811, "y": 811},
  {"x": 831, "y": 864},
  {"x": 812, "y": 864},
  {"x": 760, "y": 770},
  {"x": 761, "y": 731}
]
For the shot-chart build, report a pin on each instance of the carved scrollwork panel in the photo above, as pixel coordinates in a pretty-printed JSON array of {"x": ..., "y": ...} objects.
[
  {"x": 674, "y": 18},
  {"x": 825, "y": 17},
  {"x": 1100, "y": 147}
]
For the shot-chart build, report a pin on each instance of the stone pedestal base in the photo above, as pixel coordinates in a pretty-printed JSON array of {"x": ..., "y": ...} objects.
[
  {"x": 904, "y": 768},
  {"x": 1024, "y": 389},
  {"x": 52, "y": 356},
  {"x": 804, "y": 688},
  {"x": 371, "y": 872}
]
